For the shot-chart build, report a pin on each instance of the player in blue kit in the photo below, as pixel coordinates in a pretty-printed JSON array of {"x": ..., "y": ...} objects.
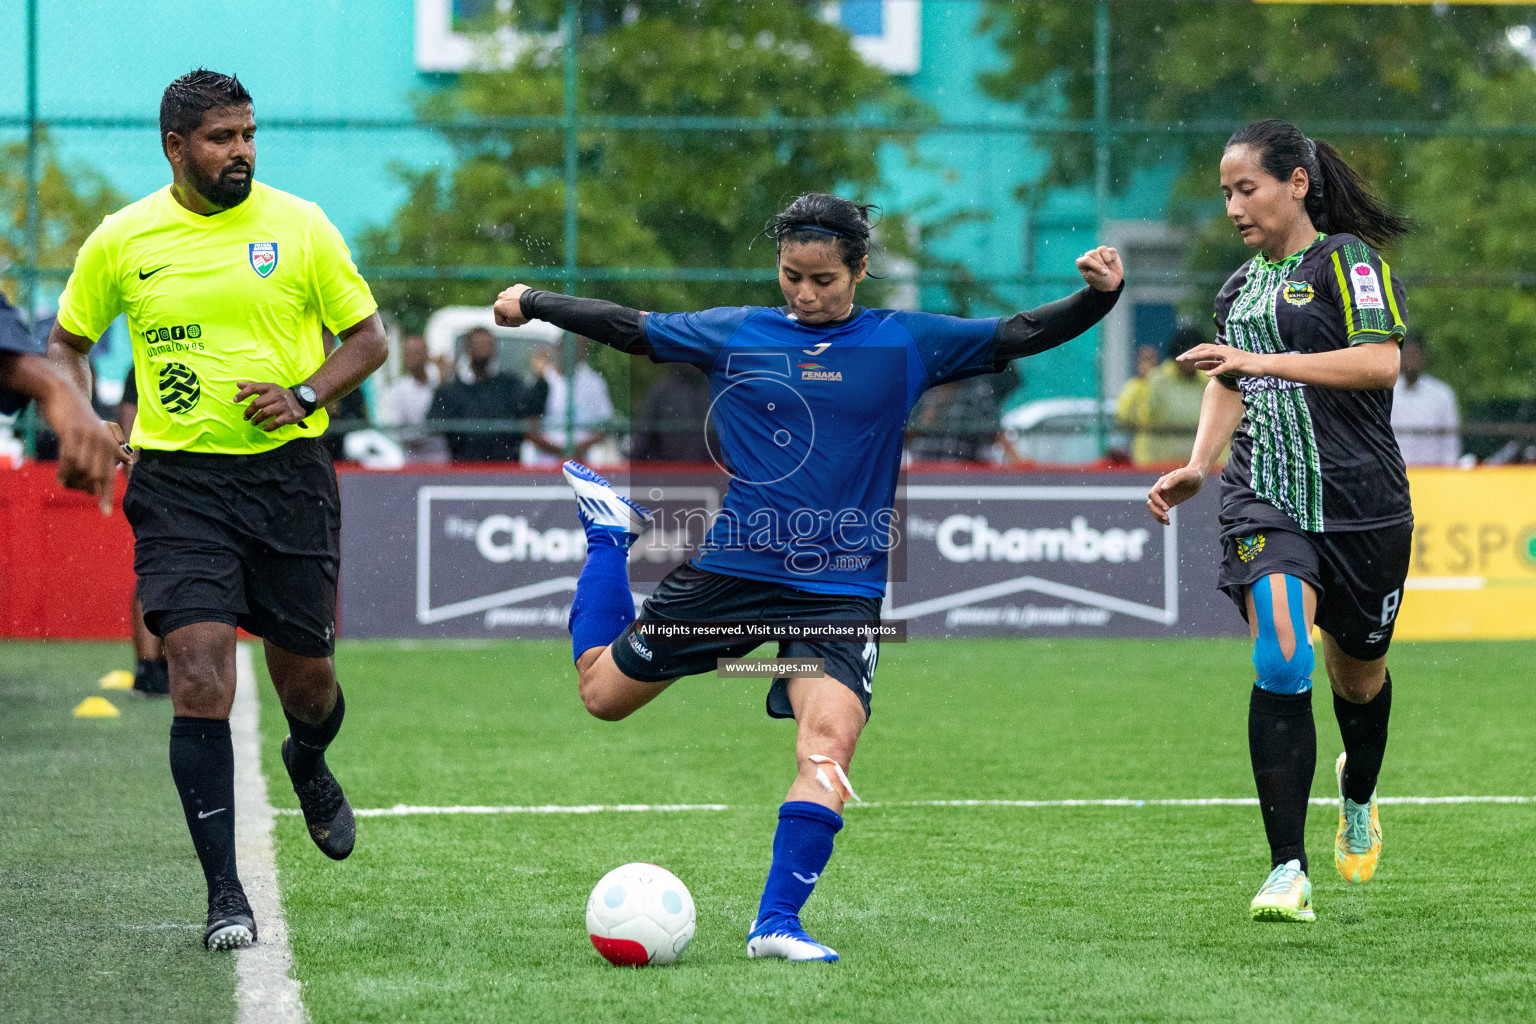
[
  {"x": 810, "y": 405},
  {"x": 88, "y": 448}
]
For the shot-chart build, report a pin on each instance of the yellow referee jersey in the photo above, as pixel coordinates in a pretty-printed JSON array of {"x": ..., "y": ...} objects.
[{"x": 211, "y": 301}]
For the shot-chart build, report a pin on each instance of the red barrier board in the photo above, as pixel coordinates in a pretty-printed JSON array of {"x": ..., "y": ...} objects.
[{"x": 66, "y": 570}]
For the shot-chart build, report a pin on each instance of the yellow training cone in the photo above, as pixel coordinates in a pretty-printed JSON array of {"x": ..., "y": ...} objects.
[
  {"x": 117, "y": 679},
  {"x": 95, "y": 707}
]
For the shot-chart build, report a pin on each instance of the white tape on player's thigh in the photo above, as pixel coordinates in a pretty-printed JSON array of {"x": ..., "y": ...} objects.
[{"x": 842, "y": 777}]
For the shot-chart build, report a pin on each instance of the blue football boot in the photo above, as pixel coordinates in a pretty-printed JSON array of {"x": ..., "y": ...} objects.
[
  {"x": 606, "y": 515},
  {"x": 783, "y": 938}
]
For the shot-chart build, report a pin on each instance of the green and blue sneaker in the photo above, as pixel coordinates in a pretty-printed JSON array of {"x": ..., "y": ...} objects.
[
  {"x": 1357, "y": 845},
  {"x": 1286, "y": 895}
]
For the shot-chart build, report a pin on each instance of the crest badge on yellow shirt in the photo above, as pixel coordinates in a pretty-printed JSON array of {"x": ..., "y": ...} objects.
[{"x": 263, "y": 258}]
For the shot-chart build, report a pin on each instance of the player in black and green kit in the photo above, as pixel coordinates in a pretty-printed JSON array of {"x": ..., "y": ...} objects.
[{"x": 1315, "y": 518}]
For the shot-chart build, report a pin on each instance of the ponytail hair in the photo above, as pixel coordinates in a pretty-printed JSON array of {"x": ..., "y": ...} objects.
[
  {"x": 1338, "y": 200},
  {"x": 820, "y": 217}
]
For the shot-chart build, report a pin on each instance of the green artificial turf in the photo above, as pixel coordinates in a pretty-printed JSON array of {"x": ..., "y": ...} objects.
[
  {"x": 101, "y": 899},
  {"x": 941, "y": 913}
]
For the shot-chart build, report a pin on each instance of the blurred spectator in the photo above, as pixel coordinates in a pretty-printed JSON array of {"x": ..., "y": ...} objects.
[
  {"x": 151, "y": 675},
  {"x": 403, "y": 405},
  {"x": 1165, "y": 431},
  {"x": 347, "y": 413},
  {"x": 406, "y": 401},
  {"x": 1131, "y": 407},
  {"x": 1424, "y": 414},
  {"x": 958, "y": 422},
  {"x": 487, "y": 395},
  {"x": 672, "y": 422},
  {"x": 593, "y": 411}
]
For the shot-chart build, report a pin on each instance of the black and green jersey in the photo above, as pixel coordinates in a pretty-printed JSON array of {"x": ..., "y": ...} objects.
[{"x": 1324, "y": 457}]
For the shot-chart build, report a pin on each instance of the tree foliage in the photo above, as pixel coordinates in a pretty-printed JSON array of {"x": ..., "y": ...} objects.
[
  {"x": 71, "y": 202},
  {"x": 1203, "y": 69},
  {"x": 651, "y": 199}
]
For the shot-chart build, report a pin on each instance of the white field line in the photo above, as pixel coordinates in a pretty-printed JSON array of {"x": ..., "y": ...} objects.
[
  {"x": 264, "y": 989},
  {"x": 1208, "y": 801},
  {"x": 409, "y": 810},
  {"x": 404, "y": 810}
]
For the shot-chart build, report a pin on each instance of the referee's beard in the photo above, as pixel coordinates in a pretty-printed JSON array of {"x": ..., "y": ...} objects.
[{"x": 228, "y": 189}]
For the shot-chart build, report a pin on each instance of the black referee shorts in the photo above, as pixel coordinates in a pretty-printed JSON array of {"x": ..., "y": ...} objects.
[
  {"x": 249, "y": 540},
  {"x": 691, "y": 593},
  {"x": 1358, "y": 576}
]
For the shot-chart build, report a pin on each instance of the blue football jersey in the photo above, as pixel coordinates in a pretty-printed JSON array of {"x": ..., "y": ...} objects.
[
  {"x": 14, "y": 337},
  {"x": 810, "y": 422}
]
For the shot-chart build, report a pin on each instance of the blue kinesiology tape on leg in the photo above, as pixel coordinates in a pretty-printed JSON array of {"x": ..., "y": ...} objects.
[
  {"x": 1277, "y": 673},
  {"x": 801, "y": 848},
  {"x": 603, "y": 605}
]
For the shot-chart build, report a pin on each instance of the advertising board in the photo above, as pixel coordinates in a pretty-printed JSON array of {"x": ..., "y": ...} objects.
[
  {"x": 995, "y": 554},
  {"x": 1473, "y": 574}
]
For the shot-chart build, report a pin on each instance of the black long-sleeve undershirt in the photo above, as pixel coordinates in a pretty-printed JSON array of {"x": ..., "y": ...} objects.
[
  {"x": 1055, "y": 323},
  {"x": 1023, "y": 334},
  {"x": 607, "y": 323}
]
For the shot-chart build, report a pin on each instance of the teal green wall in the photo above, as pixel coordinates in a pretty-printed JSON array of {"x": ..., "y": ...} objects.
[
  {"x": 982, "y": 174},
  {"x": 299, "y": 58}
]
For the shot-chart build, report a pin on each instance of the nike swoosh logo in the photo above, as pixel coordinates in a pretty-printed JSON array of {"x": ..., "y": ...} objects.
[
  {"x": 209, "y": 814},
  {"x": 808, "y": 881},
  {"x": 145, "y": 275}
]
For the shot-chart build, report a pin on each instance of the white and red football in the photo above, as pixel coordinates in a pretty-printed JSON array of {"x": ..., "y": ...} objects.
[{"x": 640, "y": 915}]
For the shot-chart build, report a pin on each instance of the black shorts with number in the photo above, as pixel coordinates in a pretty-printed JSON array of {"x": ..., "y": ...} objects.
[
  {"x": 1358, "y": 576},
  {"x": 691, "y": 593},
  {"x": 248, "y": 540}
]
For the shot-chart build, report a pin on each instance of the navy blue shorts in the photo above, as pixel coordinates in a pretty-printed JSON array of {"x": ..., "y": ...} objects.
[{"x": 692, "y": 594}]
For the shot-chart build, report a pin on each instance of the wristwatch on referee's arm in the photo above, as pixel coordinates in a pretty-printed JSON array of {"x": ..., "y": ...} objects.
[{"x": 306, "y": 397}]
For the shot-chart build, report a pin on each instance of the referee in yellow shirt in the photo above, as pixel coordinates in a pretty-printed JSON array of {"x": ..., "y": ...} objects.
[{"x": 235, "y": 513}]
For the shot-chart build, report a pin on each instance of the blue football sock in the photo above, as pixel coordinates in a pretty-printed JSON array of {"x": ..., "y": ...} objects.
[
  {"x": 603, "y": 605},
  {"x": 801, "y": 848}
]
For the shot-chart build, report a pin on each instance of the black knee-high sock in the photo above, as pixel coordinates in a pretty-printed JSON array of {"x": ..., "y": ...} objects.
[
  {"x": 1364, "y": 728},
  {"x": 309, "y": 741},
  {"x": 1282, "y": 743},
  {"x": 203, "y": 765}
]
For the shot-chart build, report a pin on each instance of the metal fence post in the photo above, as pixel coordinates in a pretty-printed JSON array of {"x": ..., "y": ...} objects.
[
  {"x": 1100, "y": 193},
  {"x": 569, "y": 32},
  {"x": 34, "y": 234}
]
